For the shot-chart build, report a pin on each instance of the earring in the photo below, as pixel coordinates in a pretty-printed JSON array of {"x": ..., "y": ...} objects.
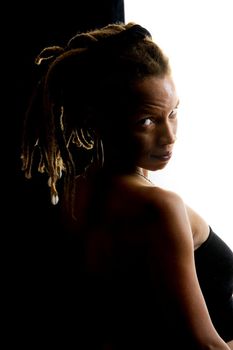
[{"x": 53, "y": 191}]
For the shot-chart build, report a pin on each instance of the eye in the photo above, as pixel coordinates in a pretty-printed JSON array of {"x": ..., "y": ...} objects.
[{"x": 146, "y": 121}]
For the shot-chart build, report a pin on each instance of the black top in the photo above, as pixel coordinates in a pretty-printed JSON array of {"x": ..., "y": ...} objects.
[{"x": 214, "y": 264}]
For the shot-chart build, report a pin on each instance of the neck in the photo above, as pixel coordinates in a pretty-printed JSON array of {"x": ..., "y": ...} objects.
[
  {"x": 142, "y": 171},
  {"x": 144, "y": 174}
]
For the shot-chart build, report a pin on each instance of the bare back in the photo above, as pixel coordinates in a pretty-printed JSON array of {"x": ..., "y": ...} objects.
[{"x": 138, "y": 264}]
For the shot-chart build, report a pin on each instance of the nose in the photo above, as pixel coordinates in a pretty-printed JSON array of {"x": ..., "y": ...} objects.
[{"x": 167, "y": 135}]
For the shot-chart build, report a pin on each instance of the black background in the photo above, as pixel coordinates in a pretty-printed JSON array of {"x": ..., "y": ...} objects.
[
  {"x": 29, "y": 27},
  {"x": 29, "y": 224}
]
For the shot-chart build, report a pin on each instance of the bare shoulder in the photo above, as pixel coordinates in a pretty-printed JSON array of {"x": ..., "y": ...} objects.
[
  {"x": 175, "y": 213},
  {"x": 162, "y": 212},
  {"x": 168, "y": 203},
  {"x": 169, "y": 229},
  {"x": 141, "y": 196},
  {"x": 165, "y": 199},
  {"x": 162, "y": 204}
]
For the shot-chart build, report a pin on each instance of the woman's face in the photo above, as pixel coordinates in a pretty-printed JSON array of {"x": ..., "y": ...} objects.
[{"x": 153, "y": 123}]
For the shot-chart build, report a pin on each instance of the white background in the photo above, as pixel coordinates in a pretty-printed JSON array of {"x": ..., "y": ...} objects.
[{"x": 197, "y": 36}]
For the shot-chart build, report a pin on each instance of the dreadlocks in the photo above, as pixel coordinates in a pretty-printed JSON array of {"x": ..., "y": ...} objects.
[{"x": 73, "y": 96}]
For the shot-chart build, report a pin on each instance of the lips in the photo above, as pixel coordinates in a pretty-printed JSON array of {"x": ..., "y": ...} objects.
[{"x": 163, "y": 156}]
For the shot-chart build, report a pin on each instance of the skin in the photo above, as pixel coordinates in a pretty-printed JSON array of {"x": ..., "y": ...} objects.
[{"x": 176, "y": 230}]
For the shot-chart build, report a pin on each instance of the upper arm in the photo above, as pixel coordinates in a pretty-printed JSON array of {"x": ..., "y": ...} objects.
[{"x": 172, "y": 244}]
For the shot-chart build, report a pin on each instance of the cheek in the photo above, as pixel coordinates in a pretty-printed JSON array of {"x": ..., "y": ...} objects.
[
  {"x": 131, "y": 146},
  {"x": 121, "y": 142},
  {"x": 175, "y": 125},
  {"x": 142, "y": 143}
]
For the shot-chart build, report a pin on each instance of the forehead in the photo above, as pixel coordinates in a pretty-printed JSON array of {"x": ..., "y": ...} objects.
[{"x": 155, "y": 91}]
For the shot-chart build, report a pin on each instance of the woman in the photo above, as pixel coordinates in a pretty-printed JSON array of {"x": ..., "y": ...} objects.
[{"x": 149, "y": 271}]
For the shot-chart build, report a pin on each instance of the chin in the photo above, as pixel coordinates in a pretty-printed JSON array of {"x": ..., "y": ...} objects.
[
  {"x": 153, "y": 165},
  {"x": 156, "y": 167}
]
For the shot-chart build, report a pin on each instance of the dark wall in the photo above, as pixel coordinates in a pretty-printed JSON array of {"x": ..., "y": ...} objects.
[{"x": 31, "y": 225}]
